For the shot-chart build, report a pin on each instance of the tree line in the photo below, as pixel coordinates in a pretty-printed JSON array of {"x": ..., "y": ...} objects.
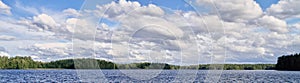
[
  {"x": 19, "y": 63},
  {"x": 28, "y": 63},
  {"x": 288, "y": 62}
]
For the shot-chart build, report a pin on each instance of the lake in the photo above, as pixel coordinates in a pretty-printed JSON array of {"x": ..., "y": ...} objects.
[{"x": 145, "y": 76}]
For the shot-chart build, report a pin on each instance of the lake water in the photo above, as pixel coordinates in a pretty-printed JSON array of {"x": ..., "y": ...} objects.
[{"x": 145, "y": 76}]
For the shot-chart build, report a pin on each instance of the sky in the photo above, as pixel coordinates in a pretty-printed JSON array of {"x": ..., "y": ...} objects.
[{"x": 166, "y": 31}]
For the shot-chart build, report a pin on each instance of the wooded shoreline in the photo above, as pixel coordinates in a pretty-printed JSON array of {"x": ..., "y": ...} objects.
[
  {"x": 88, "y": 63},
  {"x": 289, "y": 62}
]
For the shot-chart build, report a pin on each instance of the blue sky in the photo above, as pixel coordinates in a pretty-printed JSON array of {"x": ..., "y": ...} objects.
[
  {"x": 64, "y": 4},
  {"x": 266, "y": 3},
  {"x": 256, "y": 32},
  {"x": 59, "y": 5},
  {"x": 55, "y": 5}
]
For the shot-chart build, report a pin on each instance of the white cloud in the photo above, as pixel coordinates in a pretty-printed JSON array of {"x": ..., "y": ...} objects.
[
  {"x": 234, "y": 10},
  {"x": 147, "y": 32},
  {"x": 134, "y": 17},
  {"x": 7, "y": 37},
  {"x": 70, "y": 24},
  {"x": 42, "y": 22},
  {"x": 52, "y": 50},
  {"x": 71, "y": 12},
  {"x": 46, "y": 20},
  {"x": 4, "y": 9},
  {"x": 273, "y": 23},
  {"x": 4, "y": 54},
  {"x": 297, "y": 25},
  {"x": 58, "y": 23},
  {"x": 246, "y": 46},
  {"x": 51, "y": 45},
  {"x": 212, "y": 23},
  {"x": 285, "y": 9},
  {"x": 117, "y": 10}
]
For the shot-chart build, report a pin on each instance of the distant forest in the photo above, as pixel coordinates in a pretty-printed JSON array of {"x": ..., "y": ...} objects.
[
  {"x": 28, "y": 63},
  {"x": 289, "y": 62}
]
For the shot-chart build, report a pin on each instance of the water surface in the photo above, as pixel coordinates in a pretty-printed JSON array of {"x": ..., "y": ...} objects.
[{"x": 117, "y": 76}]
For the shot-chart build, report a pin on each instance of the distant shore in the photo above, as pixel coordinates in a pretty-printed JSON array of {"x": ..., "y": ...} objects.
[{"x": 88, "y": 63}]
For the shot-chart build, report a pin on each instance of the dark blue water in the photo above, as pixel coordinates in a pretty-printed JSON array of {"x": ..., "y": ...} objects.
[{"x": 145, "y": 76}]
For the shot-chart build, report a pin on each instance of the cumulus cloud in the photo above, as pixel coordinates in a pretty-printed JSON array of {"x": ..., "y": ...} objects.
[
  {"x": 61, "y": 24},
  {"x": 70, "y": 24},
  {"x": 285, "y": 9},
  {"x": 297, "y": 25},
  {"x": 4, "y": 9},
  {"x": 133, "y": 16},
  {"x": 123, "y": 7},
  {"x": 142, "y": 32},
  {"x": 51, "y": 50},
  {"x": 71, "y": 12},
  {"x": 212, "y": 23},
  {"x": 42, "y": 22},
  {"x": 58, "y": 49},
  {"x": 234, "y": 10},
  {"x": 273, "y": 23},
  {"x": 46, "y": 21}
]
